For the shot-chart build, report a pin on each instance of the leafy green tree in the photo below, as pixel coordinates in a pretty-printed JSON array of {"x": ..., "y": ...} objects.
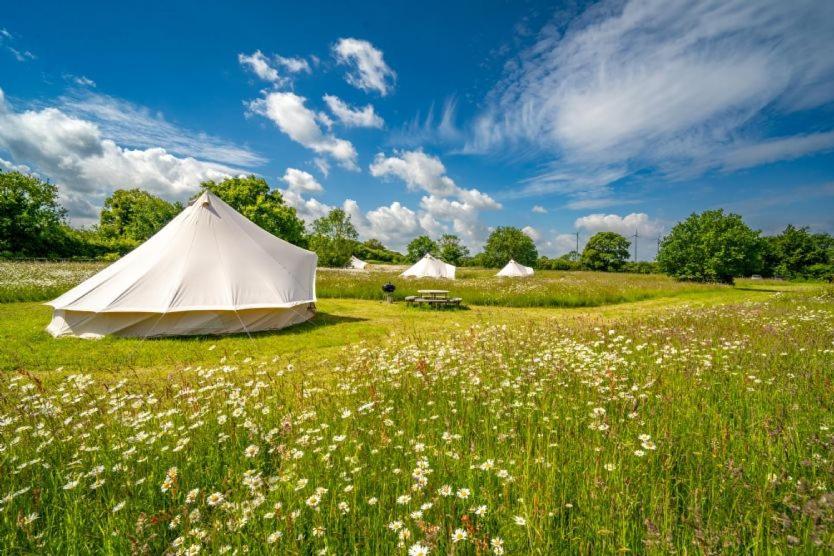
[
  {"x": 374, "y": 244},
  {"x": 32, "y": 221},
  {"x": 507, "y": 242},
  {"x": 606, "y": 251},
  {"x": 418, "y": 248},
  {"x": 791, "y": 252},
  {"x": 374, "y": 250},
  {"x": 252, "y": 197},
  {"x": 135, "y": 215},
  {"x": 334, "y": 238},
  {"x": 711, "y": 246},
  {"x": 451, "y": 250}
]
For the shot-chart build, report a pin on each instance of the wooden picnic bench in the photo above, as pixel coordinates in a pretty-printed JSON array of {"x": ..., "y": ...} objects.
[{"x": 433, "y": 298}]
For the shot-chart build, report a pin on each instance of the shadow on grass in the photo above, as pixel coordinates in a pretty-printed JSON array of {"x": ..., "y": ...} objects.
[
  {"x": 763, "y": 289},
  {"x": 321, "y": 320}
]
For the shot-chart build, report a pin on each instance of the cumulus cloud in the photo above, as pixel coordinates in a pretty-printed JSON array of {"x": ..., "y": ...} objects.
[
  {"x": 663, "y": 85},
  {"x": 353, "y": 117},
  {"x": 87, "y": 166},
  {"x": 624, "y": 225},
  {"x": 301, "y": 181},
  {"x": 447, "y": 207},
  {"x": 369, "y": 71},
  {"x": 266, "y": 69},
  {"x": 287, "y": 111},
  {"x": 539, "y": 209},
  {"x": 532, "y": 233},
  {"x": 136, "y": 126}
]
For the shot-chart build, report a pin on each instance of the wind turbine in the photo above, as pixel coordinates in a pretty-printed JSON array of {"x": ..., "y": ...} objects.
[{"x": 635, "y": 236}]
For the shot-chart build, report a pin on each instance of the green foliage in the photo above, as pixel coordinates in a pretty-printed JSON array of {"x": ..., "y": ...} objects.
[
  {"x": 418, "y": 248},
  {"x": 252, "y": 197},
  {"x": 641, "y": 267},
  {"x": 606, "y": 251},
  {"x": 792, "y": 253},
  {"x": 563, "y": 262},
  {"x": 31, "y": 219},
  {"x": 711, "y": 247},
  {"x": 507, "y": 242},
  {"x": 135, "y": 215},
  {"x": 451, "y": 250},
  {"x": 374, "y": 250},
  {"x": 334, "y": 238}
]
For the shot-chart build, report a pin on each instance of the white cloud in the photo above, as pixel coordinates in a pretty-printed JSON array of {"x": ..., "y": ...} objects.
[
  {"x": 322, "y": 165},
  {"x": 369, "y": 70},
  {"x": 288, "y": 112},
  {"x": 539, "y": 209},
  {"x": 353, "y": 117},
  {"x": 301, "y": 181},
  {"x": 394, "y": 225},
  {"x": 778, "y": 148},
  {"x": 293, "y": 65},
  {"x": 21, "y": 55},
  {"x": 83, "y": 81},
  {"x": 532, "y": 233},
  {"x": 665, "y": 85},
  {"x": 87, "y": 166},
  {"x": 259, "y": 65},
  {"x": 266, "y": 69},
  {"x": 9, "y": 166},
  {"x": 432, "y": 130},
  {"x": 423, "y": 172},
  {"x": 136, "y": 126},
  {"x": 624, "y": 225}
]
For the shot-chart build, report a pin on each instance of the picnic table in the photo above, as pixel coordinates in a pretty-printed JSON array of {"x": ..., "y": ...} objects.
[{"x": 433, "y": 298}]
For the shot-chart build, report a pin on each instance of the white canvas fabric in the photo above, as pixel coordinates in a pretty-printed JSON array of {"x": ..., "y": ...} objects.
[
  {"x": 515, "y": 270},
  {"x": 209, "y": 271},
  {"x": 430, "y": 267},
  {"x": 357, "y": 264}
]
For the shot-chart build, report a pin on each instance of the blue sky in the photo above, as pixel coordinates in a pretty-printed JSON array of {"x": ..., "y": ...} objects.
[{"x": 436, "y": 117}]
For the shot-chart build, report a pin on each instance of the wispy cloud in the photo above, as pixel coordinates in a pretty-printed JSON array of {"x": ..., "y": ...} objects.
[
  {"x": 369, "y": 71},
  {"x": 674, "y": 86},
  {"x": 133, "y": 125}
]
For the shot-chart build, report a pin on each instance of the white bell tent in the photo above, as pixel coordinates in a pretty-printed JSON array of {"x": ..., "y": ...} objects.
[
  {"x": 430, "y": 267},
  {"x": 357, "y": 264},
  {"x": 515, "y": 270},
  {"x": 208, "y": 271}
]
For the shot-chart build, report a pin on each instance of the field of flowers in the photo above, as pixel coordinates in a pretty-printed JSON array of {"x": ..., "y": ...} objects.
[
  {"x": 546, "y": 288},
  {"x": 41, "y": 281},
  {"x": 686, "y": 430}
]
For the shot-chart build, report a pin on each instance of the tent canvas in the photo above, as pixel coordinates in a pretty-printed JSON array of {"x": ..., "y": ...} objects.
[
  {"x": 208, "y": 271},
  {"x": 430, "y": 267},
  {"x": 514, "y": 269},
  {"x": 356, "y": 263}
]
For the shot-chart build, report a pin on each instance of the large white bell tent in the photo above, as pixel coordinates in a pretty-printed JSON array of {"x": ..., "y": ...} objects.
[
  {"x": 209, "y": 271},
  {"x": 356, "y": 263},
  {"x": 515, "y": 270},
  {"x": 430, "y": 267}
]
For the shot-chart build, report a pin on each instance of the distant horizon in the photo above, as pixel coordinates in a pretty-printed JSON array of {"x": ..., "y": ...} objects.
[{"x": 438, "y": 118}]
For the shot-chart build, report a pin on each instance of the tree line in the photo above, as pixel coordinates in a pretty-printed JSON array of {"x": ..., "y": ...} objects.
[{"x": 710, "y": 246}]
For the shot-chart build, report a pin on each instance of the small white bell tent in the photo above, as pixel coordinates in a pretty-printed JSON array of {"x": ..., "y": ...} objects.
[
  {"x": 208, "y": 271},
  {"x": 430, "y": 267},
  {"x": 357, "y": 264},
  {"x": 515, "y": 270}
]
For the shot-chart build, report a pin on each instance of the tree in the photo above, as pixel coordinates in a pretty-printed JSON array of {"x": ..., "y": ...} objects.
[
  {"x": 252, "y": 197},
  {"x": 135, "y": 215},
  {"x": 790, "y": 253},
  {"x": 32, "y": 221},
  {"x": 711, "y": 246},
  {"x": 334, "y": 238},
  {"x": 606, "y": 251},
  {"x": 451, "y": 250},
  {"x": 418, "y": 248},
  {"x": 507, "y": 242}
]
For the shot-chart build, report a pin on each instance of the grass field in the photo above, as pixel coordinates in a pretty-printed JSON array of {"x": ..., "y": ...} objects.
[
  {"x": 700, "y": 420},
  {"x": 41, "y": 281}
]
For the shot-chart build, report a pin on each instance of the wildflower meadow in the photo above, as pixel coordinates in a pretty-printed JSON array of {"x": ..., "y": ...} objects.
[{"x": 673, "y": 427}]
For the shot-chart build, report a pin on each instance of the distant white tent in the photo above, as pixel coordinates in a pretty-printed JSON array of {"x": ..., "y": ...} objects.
[
  {"x": 430, "y": 267},
  {"x": 209, "y": 271},
  {"x": 514, "y": 269},
  {"x": 357, "y": 264}
]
